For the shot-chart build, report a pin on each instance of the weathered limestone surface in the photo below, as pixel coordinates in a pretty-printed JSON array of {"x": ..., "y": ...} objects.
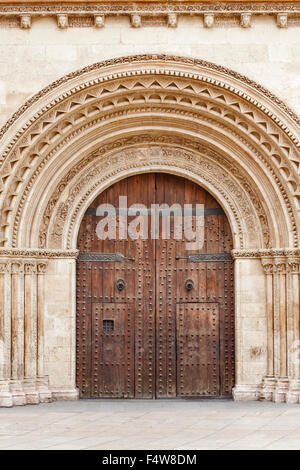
[{"x": 211, "y": 126}]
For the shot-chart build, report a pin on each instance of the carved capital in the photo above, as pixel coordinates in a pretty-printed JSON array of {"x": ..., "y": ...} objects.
[
  {"x": 268, "y": 267},
  {"x": 293, "y": 266},
  {"x": 172, "y": 20},
  {"x": 280, "y": 267},
  {"x": 283, "y": 266},
  {"x": 4, "y": 267},
  {"x": 246, "y": 20},
  {"x": 99, "y": 21},
  {"x": 209, "y": 20},
  {"x": 282, "y": 20},
  {"x": 17, "y": 267},
  {"x": 25, "y": 21},
  {"x": 30, "y": 268},
  {"x": 62, "y": 21},
  {"x": 136, "y": 21},
  {"x": 41, "y": 267}
]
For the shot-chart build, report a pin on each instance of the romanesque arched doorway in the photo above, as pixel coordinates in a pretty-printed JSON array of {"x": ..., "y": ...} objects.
[
  {"x": 128, "y": 116},
  {"x": 155, "y": 314}
]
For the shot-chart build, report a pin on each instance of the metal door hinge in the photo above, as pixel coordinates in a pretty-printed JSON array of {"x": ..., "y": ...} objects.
[
  {"x": 106, "y": 257},
  {"x": 206, "y": 257}
]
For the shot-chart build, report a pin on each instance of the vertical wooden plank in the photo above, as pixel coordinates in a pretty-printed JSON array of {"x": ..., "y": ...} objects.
[{"x": 198, "y": 359}]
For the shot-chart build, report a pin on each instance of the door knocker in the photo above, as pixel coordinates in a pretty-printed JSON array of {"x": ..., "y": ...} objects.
[
  {"x": 120, "y": 284},
  {"x": 189, "y": 284}
]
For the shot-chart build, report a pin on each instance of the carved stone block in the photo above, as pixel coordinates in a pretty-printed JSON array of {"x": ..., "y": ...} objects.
[
  {"x": 172, "y": 20},
  {"x": 99, "y": 21},
  {"x": 282, "y": 20},
  {"x": 25, "y": 21},
  {"x": 62, "y": 21},
  {"x": 246, "y": 20},
  {"x": 209, "y": 20},
  {"x": 136, "y": 21}
]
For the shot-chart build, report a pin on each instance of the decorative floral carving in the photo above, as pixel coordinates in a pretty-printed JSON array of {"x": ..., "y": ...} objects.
[
  {"x": 267, "y": 253},
  {"x": 36, "y": 253},
  {"x": 142, "y": 157}
]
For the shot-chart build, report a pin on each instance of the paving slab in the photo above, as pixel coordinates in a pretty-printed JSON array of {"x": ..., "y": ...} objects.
[{"x": 151, "y": 424}]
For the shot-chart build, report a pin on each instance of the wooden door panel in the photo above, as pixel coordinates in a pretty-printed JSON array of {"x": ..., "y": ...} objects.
[
  {"x": 83, "y": 329},
  {"x": 155, "y": 301},
  {"x": 113, "y": 350},
  {"x": 144, "y": 322},
  {"x": 165, "y": 320},
  {"x": 105, "y": 277},
  {"x": 197, "y": 349}
]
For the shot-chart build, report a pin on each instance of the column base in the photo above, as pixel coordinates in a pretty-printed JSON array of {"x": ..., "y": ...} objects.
[
  {"x": 18, "y": 395},
  {"x": 6, "y": 398},
  {"x": 281, "y": 390},
  {"x": 65, "y": 394},
  {"x": 30, "y": 390},
  {"x": 45, "y": 394},
  {"x": 247, "y": 392},
  {"x": 33, "y": 391},
  {"x": 293, "y": 395},
  {"x": 268, "y": 387}
]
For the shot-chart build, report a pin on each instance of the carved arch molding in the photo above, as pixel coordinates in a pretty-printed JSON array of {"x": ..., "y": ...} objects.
[{"x": 205, "y": 121}]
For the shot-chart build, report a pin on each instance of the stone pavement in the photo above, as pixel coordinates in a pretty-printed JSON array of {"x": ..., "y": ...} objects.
[{"x": 157, "y": 424}]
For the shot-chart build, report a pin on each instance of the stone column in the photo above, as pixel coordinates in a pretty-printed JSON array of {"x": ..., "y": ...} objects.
[
  {"x": 282, "y": 382},
  {"x": 45, "y": 394},
  {"x": 17, "y": 332},
  {"x": 5, "y": 333},
  {"x": 269, "y": 381},
  {"x": 282, "y": 385},
  {"x": 27, "y": 292},
  {"x": 30, "y": 332},
  {"x": 293, "y": 396}
]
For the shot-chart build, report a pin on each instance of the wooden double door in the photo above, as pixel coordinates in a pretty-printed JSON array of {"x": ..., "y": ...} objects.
[{"x": 154, "y": 319}]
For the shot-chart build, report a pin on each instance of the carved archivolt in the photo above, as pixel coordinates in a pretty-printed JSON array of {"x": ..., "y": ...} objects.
[
  {"x": 144, "y": 158},
  {"x": 246, "y": 130}
]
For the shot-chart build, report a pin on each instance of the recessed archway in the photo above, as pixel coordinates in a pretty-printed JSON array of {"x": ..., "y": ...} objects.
[
  {"x": 155, "y": 312},
  {"x": 202, "y": 106}
]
